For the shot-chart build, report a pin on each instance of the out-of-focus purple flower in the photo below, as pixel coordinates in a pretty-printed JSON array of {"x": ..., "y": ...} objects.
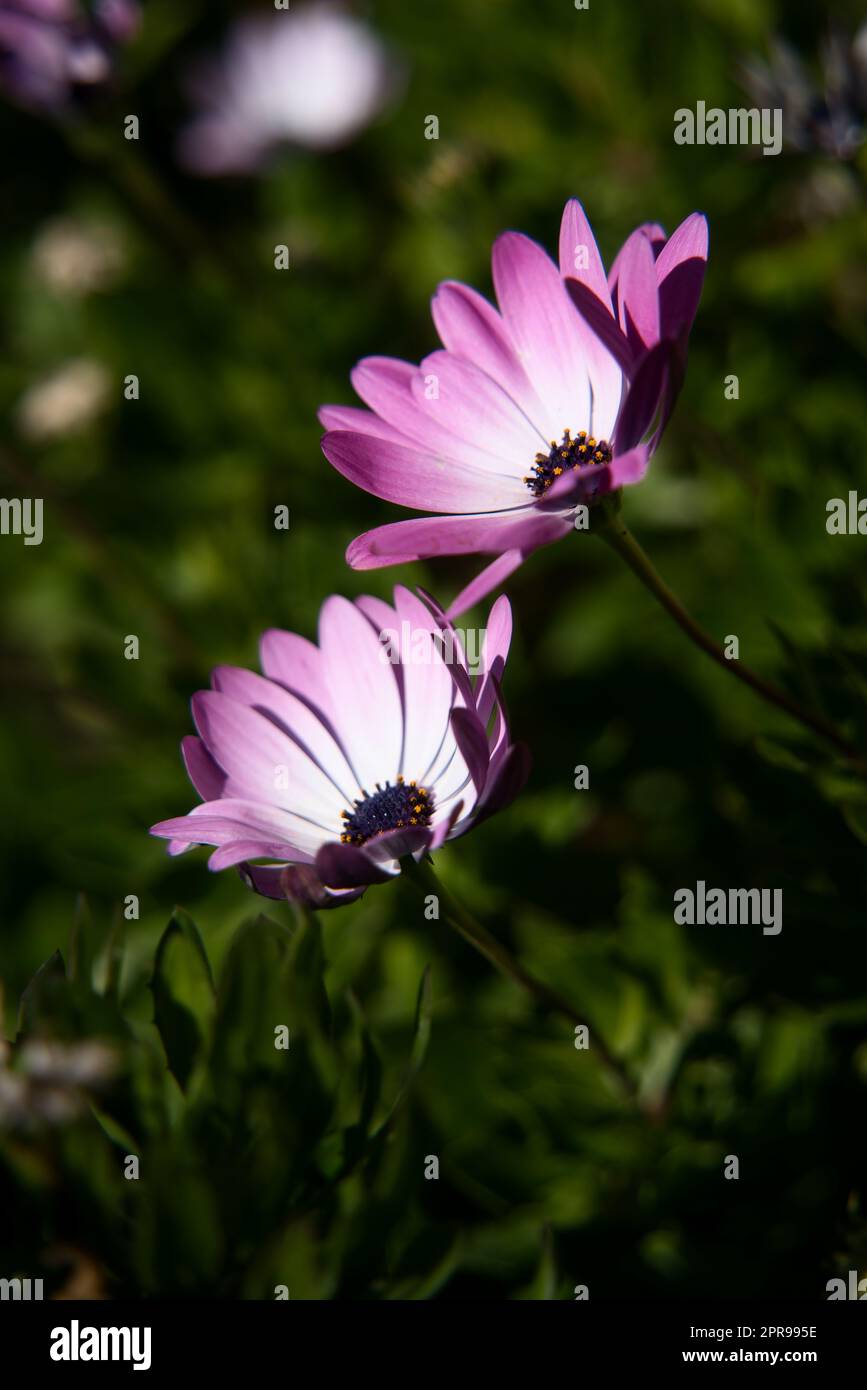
[
  {"x": 557, "y": 399},
  {"x": 51, "y": 48},
  {"x": 347, "y": 756},
  {"x": 312, "y": 76},
  {"x": 830, "y": 118}
]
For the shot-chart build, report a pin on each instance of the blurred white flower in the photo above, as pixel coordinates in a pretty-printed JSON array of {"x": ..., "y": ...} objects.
[
  {"x": 64, "y": 402},
  {"x": 312, "y": 76},
  {"x": 51, "y": 1082},
  {"x": 88, "y": 1063},
  {"x": 72, "y": 256}
]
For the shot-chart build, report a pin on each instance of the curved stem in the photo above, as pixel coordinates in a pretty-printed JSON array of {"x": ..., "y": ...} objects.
[
  {"x": 624, "y": 543},
  {"x": 499, "y": 956}
]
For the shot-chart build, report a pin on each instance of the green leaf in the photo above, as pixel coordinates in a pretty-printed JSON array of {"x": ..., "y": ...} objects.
[
  {"x": 183, "y": 991},
  {"x": 370, "y": 1080},
  {"x": 420, "y": 1040},
  {"x": 40, "y": 999},
  {"x": 81, "y": 942}
]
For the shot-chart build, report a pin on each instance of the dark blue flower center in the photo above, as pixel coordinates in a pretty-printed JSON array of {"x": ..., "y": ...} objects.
[
  {"x": 388, "y": 808},
  {"x": 569, "y": 453}
]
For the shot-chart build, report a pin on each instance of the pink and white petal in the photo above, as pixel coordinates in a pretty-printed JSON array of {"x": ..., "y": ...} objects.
[
  {"x": 444, "y": 827},
  {"x": 261, "y": 761},
  {"x": 418, "y": 478},
  {"x": 471, "y": 328},
  {"x": 680, "y": 271},
  {"x": 429, "y": 690},
  {"x": 386, "y": 384},
  {"x": 482, "y": 533},
  {"x": 221, "y": 822},
  {"x": 475, "y": 407},
  {"x": 383, "y": 384},
  {"x": 238, "y": 852},
  {"x": 601, "y": 324},
  {"x": 472, "y": 742},
  {"x": 638, "y": 294},
  {"x": 295, "y": 718},
  {"x": 452, "y": 646},
  {"x": 363, "y": 688},
  {"x": 549, "y": 337},
  {"x": 351, "y": 417},
  {"x": 577, "y": 244},
  {"x": 381, "y": 615},
  {"x": 296, "y": 663},
  {"x": 450, "y": 775},
  {"x": 207, "y": 778},
  {"x": 687, "y": 242},
  {"x": 498, "y": 638},
  {"x": 654, "y": 233},
  {"x": 383, "y": 619},
  {"x": 648, "y": 390}
]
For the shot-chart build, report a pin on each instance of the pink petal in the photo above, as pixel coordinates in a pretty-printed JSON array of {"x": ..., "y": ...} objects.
[
  {"x": 484, "y": 533},
  {"x": 258, "y": 758},
  {"x": 231, "y": 818},
  {"x": 429, "y": 690},
  {"x": 576, "y": 237},
  {"x": 680, "y": 272},
  {"x": 416, "y": 478},
  {"x": 475, "y": 407},
  {"x": 548, "y": 336},
  {"x": 363, "y": 688},
  {"x": 491, "y": 577},
  {"x": 206, "y": 777},
  {"x": 498, "y": 638},
  {"x": 238, "y": 852},
  {"x": 473, "y": 744},
  {"x": 655, "y": 235},
  {"x": 600, "y": 322},
  {"x": 295, "y": 718},
  {"x": 386, "y": 384},
  {"x": 296, "y": 663},
  {"x": 471, "y": 327},
  {"x": 350, "y": 417},
  {"x": 347, "y": 866},
  {"x": 646, "y": 394},
  {"x": 637, "y": 293}
]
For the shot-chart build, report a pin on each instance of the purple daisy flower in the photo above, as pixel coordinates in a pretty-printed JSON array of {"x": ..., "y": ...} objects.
[
  {"x": 346, "y": 756},
  {"x": 51, "y": 48},
  {"x": 528, "y": 412}
]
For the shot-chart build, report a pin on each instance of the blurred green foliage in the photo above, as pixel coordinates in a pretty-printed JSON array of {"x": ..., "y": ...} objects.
[{"x": 305, "y": 1167}]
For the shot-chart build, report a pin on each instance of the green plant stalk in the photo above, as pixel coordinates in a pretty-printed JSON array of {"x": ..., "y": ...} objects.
[
  {"x": 496, "y": 953},
  {"x": 619, "y": 537}
]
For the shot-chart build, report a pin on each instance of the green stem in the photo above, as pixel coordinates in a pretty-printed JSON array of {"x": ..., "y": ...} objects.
[
  {"x": 494, "y": 951},
  {"x": 624, "y": 543}
]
